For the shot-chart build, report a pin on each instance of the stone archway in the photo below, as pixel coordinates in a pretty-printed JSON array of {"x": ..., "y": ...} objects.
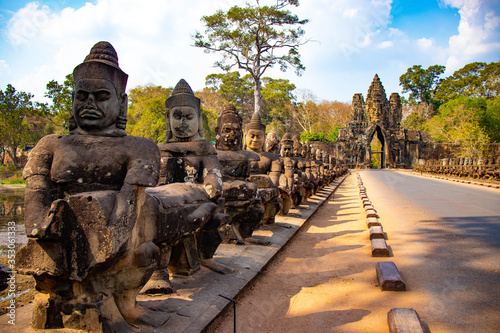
[{"x": 384, "y": 151}]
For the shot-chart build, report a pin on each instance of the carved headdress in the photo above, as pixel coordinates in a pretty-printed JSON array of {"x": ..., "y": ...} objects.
[
  {"x": 183, "y": 95},
  {"x": 102, "y": 63},
  {"x": 256, "y": 123}
]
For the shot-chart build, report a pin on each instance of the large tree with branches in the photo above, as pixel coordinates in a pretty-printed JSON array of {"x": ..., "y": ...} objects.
[{"x": 255, "y": 38}]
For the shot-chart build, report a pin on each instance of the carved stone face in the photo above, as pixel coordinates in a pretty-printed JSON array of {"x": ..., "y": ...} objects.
[
  {"x": 255, "y": 139},
  {"x": 96, "y": 106},
  {"x": 230, "y": 135},
  {"x": 184, "y": 121},
  {"x": 286, "y": 149}
]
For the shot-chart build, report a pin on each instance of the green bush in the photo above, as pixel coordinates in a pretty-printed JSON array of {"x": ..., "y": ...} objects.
[
  {"x": 308, "y": 137},
  {"x": 13, "y": 181}
]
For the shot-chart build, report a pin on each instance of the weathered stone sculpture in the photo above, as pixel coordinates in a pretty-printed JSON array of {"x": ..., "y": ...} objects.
[
  {"x": 287, "y": 155},
  {"x": 85, "y": 194},
  {"x": 240, "y": 195},
  {"x": 188, "y": 158},
  {"x": 267, "y": 172},
  {"x": 273, "y": 142}
]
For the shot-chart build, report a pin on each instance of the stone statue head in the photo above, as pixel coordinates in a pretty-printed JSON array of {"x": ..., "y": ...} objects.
[
  {"x": 255, "y": 136},
  {"x": 273, "y": 142},
  {"x": 319, "y": 154},
  {"x": 297, "y": 146},
  {"x": 229, "y": 131},
  {"x": 183, "y": 115},
  {"x": 99, "y": 98},
  {"x": 305, "y": 150},
  {"x": 287, "y": 145}
]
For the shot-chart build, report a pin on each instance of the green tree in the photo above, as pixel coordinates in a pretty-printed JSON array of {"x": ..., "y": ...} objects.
[
  {"x": 62, "y": 102},
  {"x": 465, "y": 121},
  {"x": 146, "y": 112},
  {"x": 421, "y": 83},
  {"x": 20, "y": 121},
  {"x": 414, "y": 121},
  {"x": 253, "y": 39},
  {"x": 477, "y": 79}
]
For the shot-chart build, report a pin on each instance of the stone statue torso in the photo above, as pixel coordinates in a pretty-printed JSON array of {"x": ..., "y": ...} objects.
[{"x": 80, "y": 163}]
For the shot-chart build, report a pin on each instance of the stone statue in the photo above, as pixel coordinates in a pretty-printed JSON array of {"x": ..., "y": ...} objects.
[
  {"x": 240, "y": 195},
  {"x": 188, "y": 158},
  {"x": 84, "y": 197},
  {"x": 287, "y": 155},
  {"x": 268, "y": 172},
  {"x": 93, "y": 214},
  {"x": 273, "y": 142}
]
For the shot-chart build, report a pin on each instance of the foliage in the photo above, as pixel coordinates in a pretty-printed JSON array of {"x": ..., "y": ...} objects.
[
  {"x": 465, "y": 121},
  {"x": 421, "y": 83},
  {"x": 212, "y": 105},
  {"x": 476, "y": 79},
  {"x": 312, "y": 116},
  {"x": 254, "y": 38},
  {"x": 146, "y": 112},
  {"x": 62, "y": 101},
  {"x": 231, "y": 87},
  {"x": 332, "y": 136},
  {"x": 376, "y": 159},
  {"x": 414, "y": 121},
  {"x": 21, "y": 121},
  {"x": 308, "y": 137},
  {"x": 13, "y": 181}
]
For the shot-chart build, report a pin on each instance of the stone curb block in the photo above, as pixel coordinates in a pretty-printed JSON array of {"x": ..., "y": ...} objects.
[
  {"x": 388, "y": 277},
  {"x": 377, "y": 232},
  {"x": 379, "y": 248},
  {"x": 372, "y": 222},
  {"x": 405, "y": 320},
  {"x": 371, "y": 213}
]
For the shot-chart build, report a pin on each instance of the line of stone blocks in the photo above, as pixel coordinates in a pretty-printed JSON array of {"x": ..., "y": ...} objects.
[{"x": 400, "y": 320}]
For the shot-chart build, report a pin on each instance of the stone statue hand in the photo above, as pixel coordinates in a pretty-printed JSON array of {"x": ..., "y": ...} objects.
[{"x": 52, "y": 226}]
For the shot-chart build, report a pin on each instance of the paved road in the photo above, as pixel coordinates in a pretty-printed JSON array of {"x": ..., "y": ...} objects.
[
  {"x": 470, "y": 210},
  {"x": 443, "y": 237}
]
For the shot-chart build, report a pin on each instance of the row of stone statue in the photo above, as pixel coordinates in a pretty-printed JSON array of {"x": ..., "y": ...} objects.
[
  {"x": 488, "y": 169},
  {"x": 109, "y": 215}
]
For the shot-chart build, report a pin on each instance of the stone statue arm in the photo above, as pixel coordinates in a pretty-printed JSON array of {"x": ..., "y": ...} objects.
[
  {"x": 275, "y": 172},
  {"x": 212, "y": 177},
  {"x": 143, "y": 171},
  {"x": 43, "y": 209}
]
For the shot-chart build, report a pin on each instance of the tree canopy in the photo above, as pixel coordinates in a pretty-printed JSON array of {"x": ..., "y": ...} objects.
[
  {"x": 21, "y": 121},
  {"x": 146, "y": 112},
  {"x": 476, "y": 79},
  {"x": 62, "y": 101},
  {"x": 421, "y": 83},
  {"x": 253, "y": 39}
]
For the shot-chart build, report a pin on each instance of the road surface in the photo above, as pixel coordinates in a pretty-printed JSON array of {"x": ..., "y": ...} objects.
[{"x": 443, "y": 236}]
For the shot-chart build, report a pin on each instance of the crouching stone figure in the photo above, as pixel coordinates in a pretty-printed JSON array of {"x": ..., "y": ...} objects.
[{"x": 92, "y": 226}]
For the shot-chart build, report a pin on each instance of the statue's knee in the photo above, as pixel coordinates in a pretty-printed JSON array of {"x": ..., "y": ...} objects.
[{"x": 146, "y": 254}]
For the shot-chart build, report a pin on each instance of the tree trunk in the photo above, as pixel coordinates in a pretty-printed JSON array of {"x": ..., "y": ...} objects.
[
  {"x": 13, "y": 155},
  {"x": 257, "y": 96}
]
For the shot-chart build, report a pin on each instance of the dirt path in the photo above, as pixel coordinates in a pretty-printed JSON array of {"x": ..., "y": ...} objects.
[{"x": 311, "y": 285}]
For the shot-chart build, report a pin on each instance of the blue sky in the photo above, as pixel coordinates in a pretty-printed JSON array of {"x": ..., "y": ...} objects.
[{"x": 354, "y": 40}]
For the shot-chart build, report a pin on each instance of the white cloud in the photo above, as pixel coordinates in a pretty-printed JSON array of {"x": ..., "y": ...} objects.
[
  {"x": 4, "y": 68},
  {"x": 350, "y": 13},
  {"x": 425, "y": 43},
  {"x": 385, "y": 44},
  {"x": 478, "y": 32}
]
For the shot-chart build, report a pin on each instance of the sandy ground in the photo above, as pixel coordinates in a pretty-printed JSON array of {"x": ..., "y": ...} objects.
[{"x": 325, "y": 280}]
